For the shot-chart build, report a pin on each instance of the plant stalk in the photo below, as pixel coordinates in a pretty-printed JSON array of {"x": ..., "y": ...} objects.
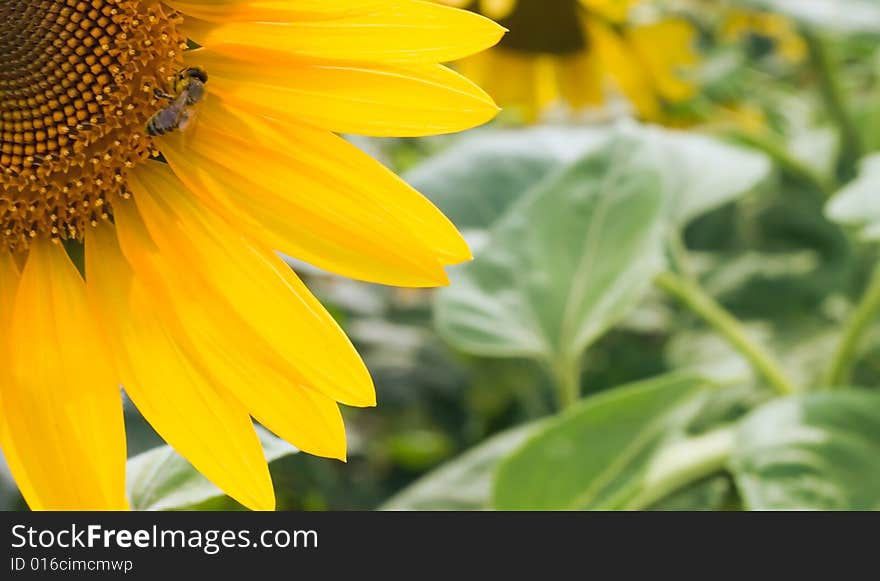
[
  {"x": 791, "y": 166},
  {"x": 684, "y": 463},
  {"x": 696, "y": 299},
  {"x": 851, "y": 146},
  {"x": 566, "y": 374},
  {"x": 858, "y": 323}
]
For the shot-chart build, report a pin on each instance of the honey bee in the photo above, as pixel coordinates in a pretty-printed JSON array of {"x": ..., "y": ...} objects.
[{"x": 189, "y": 89}]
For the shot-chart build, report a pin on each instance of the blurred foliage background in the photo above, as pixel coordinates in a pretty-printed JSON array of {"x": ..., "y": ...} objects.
[{"x": 674, "y": 223}]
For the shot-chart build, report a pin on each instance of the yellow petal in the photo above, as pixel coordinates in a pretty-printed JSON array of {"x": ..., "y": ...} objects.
[
  {"x": 402, "y": 31},
  {"x": 383, "y": 100},
  {"x": 237, "y": 361},
  {"x": 314, "y": 196},
  {"x": 255, "y": 283},
  {"x": 497, "y": 9},
  {"x": 666, "y": 50},
  {"x": 63, "y": 404},
  {"x": 580, "y": 79},
  {"x": 9, "y": 277},
  {"x": 613, "y": 10},
  {"x": 208, "y": 426},
  {"x": 625, "y": 67},
  {"x": 304, "y": 417},
  {"x": 527, "y": 83},
  {"x": 272, "y": 10},
  {"x": 494, "y": 9}
]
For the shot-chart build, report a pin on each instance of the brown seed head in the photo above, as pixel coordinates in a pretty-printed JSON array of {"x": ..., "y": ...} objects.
[{"x": 76, "y": 90}]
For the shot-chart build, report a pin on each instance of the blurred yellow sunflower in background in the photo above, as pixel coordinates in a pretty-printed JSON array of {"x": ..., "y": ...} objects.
[
  {"x": 776, "y": 30},
  {"x": 759, "y": 38},
  {"x": 582, "y": 52},
  {"x": 184, "y": 301}
]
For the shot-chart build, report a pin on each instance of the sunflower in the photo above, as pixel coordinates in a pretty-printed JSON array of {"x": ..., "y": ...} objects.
[
  {"x": 181, "y": 298},
  {"x": 766, "y": 31},
  {"x": 579, "y": 51}
]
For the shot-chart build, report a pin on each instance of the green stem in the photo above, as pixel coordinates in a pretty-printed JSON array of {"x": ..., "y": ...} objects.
[
  {"x": 790, "y": 165},
  {"x": 678, "y": 256},
  {"x": 855, "y": 328},
  {"x": 684, "y": 463},
  {"x": 696, "y": 299},
  {"x": 566, "y": 374},
  {"x": 832, "y": 93}
]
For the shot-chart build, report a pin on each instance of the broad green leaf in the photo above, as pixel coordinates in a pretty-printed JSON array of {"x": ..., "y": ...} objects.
[
  {"x": 475, "y": 180},
  {"x": 161, "y": 479},
  {"x": 464, "y": 483},
  {"x": 835, "y": 15},
  {"x": 564, "y": 264},
  {"x": 597, "y": 455},
  {"x": 478, "y": 178},
  {"x": 858, "y": 203},
  {"x": 700, "y": 173},
  {"x": 578, "y": 251},
  {"x": 812, "y": 452}
]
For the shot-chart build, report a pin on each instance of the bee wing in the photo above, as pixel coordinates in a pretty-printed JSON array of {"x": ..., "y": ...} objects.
[
  {"x": 180, "y": 102},
  {"x": 184, "y": 119},
  {"x": 189, "y": 127}
]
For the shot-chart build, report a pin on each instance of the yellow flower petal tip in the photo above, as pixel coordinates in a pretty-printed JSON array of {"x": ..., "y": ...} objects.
[
  {"x": 264, "y": 503},
  {"x": 336, "y": 454}
]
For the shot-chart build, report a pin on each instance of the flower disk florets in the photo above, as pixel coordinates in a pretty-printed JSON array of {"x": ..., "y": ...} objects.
[{"x": 77, "y": 82}]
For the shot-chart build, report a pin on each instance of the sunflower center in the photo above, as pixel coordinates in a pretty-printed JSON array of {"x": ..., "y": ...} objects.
[
  {"x": 77, "y": 80},
  {"x": 545, "y": 26}
]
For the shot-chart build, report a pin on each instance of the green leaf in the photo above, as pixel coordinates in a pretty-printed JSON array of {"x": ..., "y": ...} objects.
[
  {"x": 835, "y": 15},
  {"x": 699, "y": 173},
  {"x": 161, "y": 479},
  {"x": 812, "y": 452},
  {"x": 478, "y": 178},
  {"x": 568, "y": 261},
  {"x": 464, "y": 483},
  {"x": 858, "y": 204},
  {"x": 598, "y": 455},
  {"x": 578, "y": 251}
]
